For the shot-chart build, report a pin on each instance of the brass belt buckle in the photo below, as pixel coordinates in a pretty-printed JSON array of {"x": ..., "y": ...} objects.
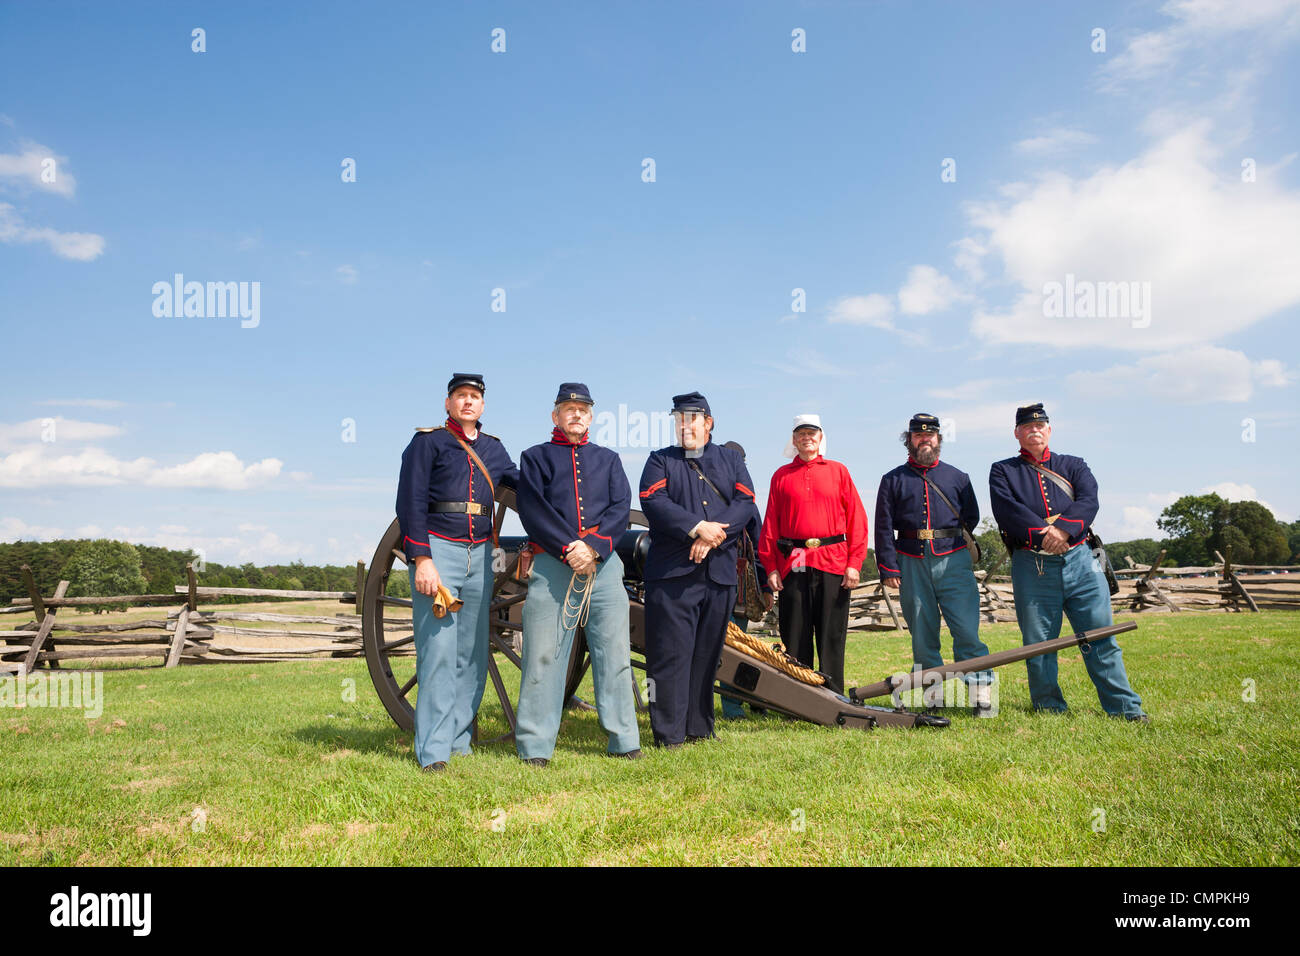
[
  {"x": 926, "y": 534},
  {"x": 813, "y": 543},
  {"x": 475, "y": 508}
]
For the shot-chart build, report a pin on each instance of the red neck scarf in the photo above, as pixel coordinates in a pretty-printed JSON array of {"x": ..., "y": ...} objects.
[{"x": 558, "y": 437}]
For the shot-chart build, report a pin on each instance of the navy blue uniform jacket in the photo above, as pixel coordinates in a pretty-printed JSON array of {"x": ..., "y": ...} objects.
[
  {"x": 435, "y": 468},
  {"x": 1023, "y": 499},
  {"x": 904, "y": 501},
  {"x": 674, "y": 499},
  {"x": 569, "y": 492}
]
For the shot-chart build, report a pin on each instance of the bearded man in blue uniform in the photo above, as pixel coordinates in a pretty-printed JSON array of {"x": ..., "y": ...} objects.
[
  {"x": 698, "y": 498},
  {"x": 574, "y": 502},
  {"x": 444, "y": 506},
  {"x": 931, "y": 507},
  {"x": 1045, "y": 504}
]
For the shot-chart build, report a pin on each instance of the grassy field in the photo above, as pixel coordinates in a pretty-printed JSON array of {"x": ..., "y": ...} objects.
[{"x": 281, "y": 764}]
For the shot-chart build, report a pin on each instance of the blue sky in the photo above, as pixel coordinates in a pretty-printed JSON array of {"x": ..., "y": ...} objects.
[{"x": 1166, "y": 160}]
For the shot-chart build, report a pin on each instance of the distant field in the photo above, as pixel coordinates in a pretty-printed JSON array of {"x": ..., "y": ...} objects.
[{"x": 273, "y": 764}]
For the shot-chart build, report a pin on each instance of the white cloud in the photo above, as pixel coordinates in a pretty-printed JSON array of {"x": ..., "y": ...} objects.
[
  {"x": 874, "y": 310},
  {"x": 969, "y": 258},
  {"x": 1188, "y": 377},
  {"x": 1139, "y": 513},
  {"x": 1199, "y": 26},
  {"x": 1235, "y": 491},
  {"x": 217, "y": 470},
  {"x": 1219, "y": 254},
  {"x": 38, "y": 166},
  {"x": 38, "y": 466},
  {"x": 16, "y": 529},
  {"x": 927, "y": 290},
  {"x": 57, "y": 428},
  {"x": 1055, "y": 141},
  {"x": 348, "y": 275},
  {"x": 81, "y": 246}
]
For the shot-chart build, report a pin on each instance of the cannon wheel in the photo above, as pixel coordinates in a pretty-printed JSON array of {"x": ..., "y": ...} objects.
[{"x": 389, "y": 642}]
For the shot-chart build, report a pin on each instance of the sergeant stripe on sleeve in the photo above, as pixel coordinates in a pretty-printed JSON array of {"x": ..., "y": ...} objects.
[{"x": 655, "y": 487}]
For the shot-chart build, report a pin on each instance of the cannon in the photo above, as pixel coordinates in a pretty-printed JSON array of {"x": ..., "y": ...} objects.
[{"x": 754, "y": 672}]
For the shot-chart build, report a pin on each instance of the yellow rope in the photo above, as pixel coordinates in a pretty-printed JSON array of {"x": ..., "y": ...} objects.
[{"x": 774, "y": 655}]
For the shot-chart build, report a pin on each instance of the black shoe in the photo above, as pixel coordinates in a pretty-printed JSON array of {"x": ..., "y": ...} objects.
[
  {"x": 629, "y": 755},
  {"x": 693, "y": 739},
  {"x": 436, "y": 767},
  {"x": 666, "y": 746},
  {"x": 1138, "y": 718},
  {"x": 535, "y": 761}
]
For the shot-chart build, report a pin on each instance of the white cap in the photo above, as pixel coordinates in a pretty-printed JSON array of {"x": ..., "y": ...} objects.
[{"x": 805, "y": 421}]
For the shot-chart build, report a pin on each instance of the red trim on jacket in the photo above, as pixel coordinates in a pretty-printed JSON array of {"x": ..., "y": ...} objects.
[
  {"x": 742, "y": 488},
  {"x": 469, "y": 540},
  {"x": 577, "y": 505},
  {"x": 655, "y": 487}
]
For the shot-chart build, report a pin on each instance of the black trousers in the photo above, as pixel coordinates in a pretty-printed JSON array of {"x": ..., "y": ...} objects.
[
  {"x": 685, "y": 625},
  {"x": 814, "y": 609}
]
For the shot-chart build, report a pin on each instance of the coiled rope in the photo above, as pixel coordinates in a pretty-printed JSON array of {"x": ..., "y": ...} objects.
[
  {"x": 575, "y": 615},
  {"x": 774, "y": 654}
]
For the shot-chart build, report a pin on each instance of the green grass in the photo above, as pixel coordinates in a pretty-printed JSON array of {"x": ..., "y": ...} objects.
[{"x": 285, "y": 771}]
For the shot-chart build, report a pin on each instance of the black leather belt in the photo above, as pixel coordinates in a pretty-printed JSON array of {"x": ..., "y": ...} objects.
[
  {"x": 928, "y": 534},
  {"x": 786, "y": 545},
  {"x": 459, "y": 507}
]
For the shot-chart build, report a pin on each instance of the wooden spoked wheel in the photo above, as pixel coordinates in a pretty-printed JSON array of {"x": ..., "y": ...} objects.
[{"x": 389, "y": 639}]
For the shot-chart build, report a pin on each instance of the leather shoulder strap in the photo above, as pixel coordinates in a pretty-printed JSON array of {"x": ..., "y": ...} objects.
[
  {"x": 1058, "y": 480},
  {"x": 488, "y": 475},
  {"x": 937, "y": 491},
  {"x": 971, "y": 543},
  {"x": 695, "y": 465}
]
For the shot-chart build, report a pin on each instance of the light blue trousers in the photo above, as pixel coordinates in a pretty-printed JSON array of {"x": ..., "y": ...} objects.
[
  {"x": 1073, "y": 583},
  {"x": 948, "y": 582},
  {"x": 547, "y": 645},
  {"x": 451, "y": 653}
]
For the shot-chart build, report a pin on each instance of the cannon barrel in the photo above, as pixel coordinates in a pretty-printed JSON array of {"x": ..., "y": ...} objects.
[{"x": 921, "y": 678}]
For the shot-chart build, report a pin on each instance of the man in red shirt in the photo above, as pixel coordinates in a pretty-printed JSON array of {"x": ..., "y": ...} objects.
[{"x": 814, "y": 538}]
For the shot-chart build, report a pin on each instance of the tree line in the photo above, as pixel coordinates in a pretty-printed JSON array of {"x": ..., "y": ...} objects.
[
  {"x": 1196, "y": 525},
  {"x": 102, "y": 566}
]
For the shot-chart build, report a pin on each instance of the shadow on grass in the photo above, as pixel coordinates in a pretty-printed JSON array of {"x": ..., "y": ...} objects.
[{"x": 387, "y": 740}]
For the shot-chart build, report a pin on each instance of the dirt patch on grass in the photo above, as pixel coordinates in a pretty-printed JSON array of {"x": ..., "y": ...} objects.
[
  {"x": 358, "y": 828},
  {"x": 337, "y": 755}
]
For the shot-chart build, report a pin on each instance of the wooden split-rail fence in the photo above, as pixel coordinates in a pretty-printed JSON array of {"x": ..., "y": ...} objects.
[
  {"x": 184, "y": 634},
  {"x": 190, "y": 634}
]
